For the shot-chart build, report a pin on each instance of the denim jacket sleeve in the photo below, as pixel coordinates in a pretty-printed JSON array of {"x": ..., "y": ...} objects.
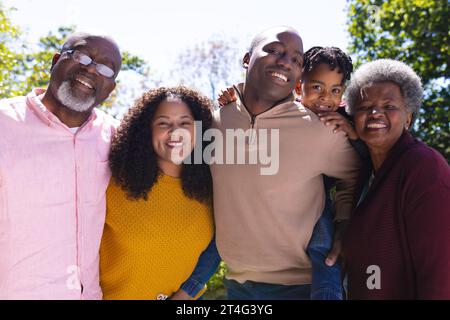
[{"x": 206, "y": 266}]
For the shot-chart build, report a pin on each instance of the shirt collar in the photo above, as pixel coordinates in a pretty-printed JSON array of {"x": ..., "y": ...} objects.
[
  {"x": 34, "y": 102},
  {"x": 280, "y": 107}
]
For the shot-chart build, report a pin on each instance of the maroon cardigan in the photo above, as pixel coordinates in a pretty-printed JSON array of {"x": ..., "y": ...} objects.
[{"x": 403, "y": 227}]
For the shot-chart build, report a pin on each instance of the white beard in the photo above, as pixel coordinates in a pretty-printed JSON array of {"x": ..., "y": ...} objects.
[{"x": 68, "y": 99}]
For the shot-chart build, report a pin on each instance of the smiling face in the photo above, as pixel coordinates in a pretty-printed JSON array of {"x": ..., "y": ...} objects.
[
  {"x": 171, "y": 116},
  {"x": 381, "y": 116},
  {"x": 322, "y": 89},
  {"x": 79, "y": 87},
  {"x": 274, "y": 65}
]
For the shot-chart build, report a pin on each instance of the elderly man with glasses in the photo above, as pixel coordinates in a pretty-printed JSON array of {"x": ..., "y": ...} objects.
[{"x": 54, "y": 173}]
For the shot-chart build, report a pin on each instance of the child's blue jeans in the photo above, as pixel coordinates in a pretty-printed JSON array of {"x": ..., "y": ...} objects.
[{"x": 326, "y": 281}]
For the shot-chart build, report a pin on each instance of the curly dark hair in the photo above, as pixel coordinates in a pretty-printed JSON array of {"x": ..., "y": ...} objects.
[
  {"x": 332, "y": 56},
  {"x": 132, "y": 158}
]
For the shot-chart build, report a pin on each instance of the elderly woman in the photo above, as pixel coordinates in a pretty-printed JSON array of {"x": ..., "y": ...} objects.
[{"x": 398, "y": 241}]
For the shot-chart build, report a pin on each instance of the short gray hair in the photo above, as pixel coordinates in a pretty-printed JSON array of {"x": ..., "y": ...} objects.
[{"x": 386, "y": 70}]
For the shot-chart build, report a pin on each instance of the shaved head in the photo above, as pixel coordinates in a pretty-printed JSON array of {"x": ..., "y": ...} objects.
[
  {"x": 269, "y": 32},
  {"x": 80, "y": 39},
  {"x": 274, "y": 66}
]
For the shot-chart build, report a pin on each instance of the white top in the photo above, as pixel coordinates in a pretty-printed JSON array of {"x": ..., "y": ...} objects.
[{"x": 74, "y": 130}]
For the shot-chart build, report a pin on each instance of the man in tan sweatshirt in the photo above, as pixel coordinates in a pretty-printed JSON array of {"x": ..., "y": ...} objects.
[{"x": 267, "y": 203}]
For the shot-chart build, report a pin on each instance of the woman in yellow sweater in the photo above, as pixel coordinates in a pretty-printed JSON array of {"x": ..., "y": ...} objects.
[{"x": 158, "y": 239}]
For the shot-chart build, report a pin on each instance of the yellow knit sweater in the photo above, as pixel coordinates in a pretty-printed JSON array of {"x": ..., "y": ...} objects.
[{"x": 151, "y": 247}]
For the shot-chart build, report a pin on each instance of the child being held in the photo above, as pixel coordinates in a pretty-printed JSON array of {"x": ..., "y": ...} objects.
[{"x": 325, "y": 73}]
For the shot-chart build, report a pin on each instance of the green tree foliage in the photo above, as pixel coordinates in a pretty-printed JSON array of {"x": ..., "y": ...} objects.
[
  {"x": 23, "y": 68},
  {"x": 9, "y": 55},
  {"x": 417, "y": 33},
  {"x": 216, "y": 289}
]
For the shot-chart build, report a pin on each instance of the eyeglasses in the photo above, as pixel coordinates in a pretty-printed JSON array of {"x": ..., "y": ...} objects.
[{"x": 85, "y": 60}]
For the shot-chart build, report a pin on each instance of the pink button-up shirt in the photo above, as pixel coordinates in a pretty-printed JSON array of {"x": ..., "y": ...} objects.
[{"x": 52, "y": 201}]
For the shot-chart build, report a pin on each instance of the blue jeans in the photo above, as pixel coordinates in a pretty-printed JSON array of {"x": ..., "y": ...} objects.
[
  {"x": 250, "y": 290},
  {"x": 326, "y": 281}
]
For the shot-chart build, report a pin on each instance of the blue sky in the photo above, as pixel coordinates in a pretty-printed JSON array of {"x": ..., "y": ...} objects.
[{"x": 159, "y": 30}]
